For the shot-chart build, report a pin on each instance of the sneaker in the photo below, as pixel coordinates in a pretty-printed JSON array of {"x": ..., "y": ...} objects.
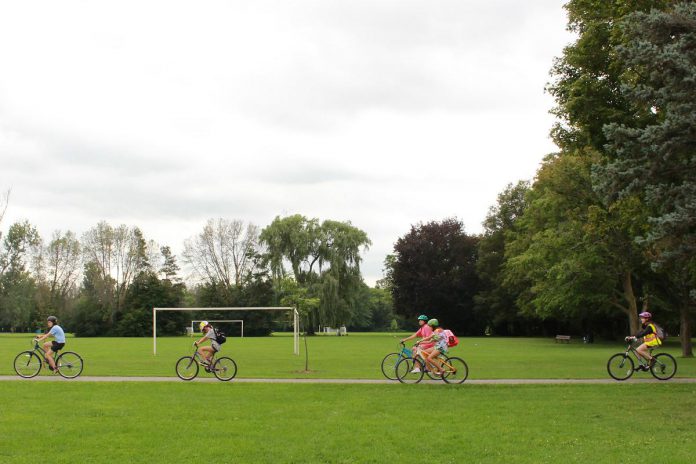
[
  {"x": 641, "y": 368},
  {"x": 415, "y": 371}
]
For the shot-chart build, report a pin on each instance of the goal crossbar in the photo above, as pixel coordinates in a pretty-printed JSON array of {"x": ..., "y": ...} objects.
[{"x": 295, "y": 320}]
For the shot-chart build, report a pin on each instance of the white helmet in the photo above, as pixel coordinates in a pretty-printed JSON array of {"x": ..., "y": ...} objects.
[{"x": 202, "y": 325}]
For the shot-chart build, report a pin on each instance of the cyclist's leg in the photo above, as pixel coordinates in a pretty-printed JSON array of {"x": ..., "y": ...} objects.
[
  {"x": 434, "y": 361},
  {"x": 48, "y": 354},
  {"x": 644, "y": 352},
  {"x": 417, "y": 354},
  {"x": 206, "y": 353}
]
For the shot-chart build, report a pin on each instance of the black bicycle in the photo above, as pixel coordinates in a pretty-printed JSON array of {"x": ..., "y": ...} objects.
[
  {"x": 187, "y": 367},
  {"x": 621, "y": 366},
  {"x": 28, "y": 364}
]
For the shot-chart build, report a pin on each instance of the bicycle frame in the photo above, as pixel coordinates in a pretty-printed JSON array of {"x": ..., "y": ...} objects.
[{"x": 632, "y": 349}]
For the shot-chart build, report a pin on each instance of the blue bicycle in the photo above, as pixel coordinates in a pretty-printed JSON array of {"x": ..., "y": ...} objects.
[{"x": 392, "y": 359}]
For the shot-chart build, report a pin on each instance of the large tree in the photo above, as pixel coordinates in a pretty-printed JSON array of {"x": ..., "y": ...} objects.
[
  {"x": 654, "y": 156},
  {"x": 324, "y": 258},
  {"x": 434, "y": 272},
  {"x": 223, "y": 253}
]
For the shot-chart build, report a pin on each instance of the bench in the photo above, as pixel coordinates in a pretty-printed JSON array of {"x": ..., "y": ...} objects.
[{"x": 563, "y": 338}]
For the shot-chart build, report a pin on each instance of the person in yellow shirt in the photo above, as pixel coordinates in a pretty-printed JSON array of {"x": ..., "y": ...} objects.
[{"x": 648, "y": 333}]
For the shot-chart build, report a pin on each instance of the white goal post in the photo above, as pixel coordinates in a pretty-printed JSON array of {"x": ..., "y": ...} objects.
[
  {"x": 295, "y": 321},
  {"x": 241, "y": 321}
]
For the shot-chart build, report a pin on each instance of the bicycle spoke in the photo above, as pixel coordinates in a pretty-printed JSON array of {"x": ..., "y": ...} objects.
[
  {"x": 69, "y": 365},
  {"x": 186, "y": 368},
  {"x": 27, "y": 364},
  {"x": 456, "y": 370}
]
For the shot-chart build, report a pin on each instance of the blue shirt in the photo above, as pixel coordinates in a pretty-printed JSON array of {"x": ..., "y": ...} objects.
[{"x": 58, "y": 333}]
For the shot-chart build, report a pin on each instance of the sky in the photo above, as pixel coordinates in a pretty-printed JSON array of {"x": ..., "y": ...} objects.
[{"x": 163, "y": 114}]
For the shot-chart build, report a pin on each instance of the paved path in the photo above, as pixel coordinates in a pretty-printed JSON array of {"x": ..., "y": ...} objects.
[{"x": 45, "y": 378}]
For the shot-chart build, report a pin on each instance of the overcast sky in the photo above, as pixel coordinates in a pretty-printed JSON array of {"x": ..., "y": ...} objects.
[{"x": 163, "y": 114}]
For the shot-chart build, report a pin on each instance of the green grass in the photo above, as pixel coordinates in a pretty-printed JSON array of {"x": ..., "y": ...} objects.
[
  {"x": 354, "y": 356},
  {"x": 68, "y": 422}
]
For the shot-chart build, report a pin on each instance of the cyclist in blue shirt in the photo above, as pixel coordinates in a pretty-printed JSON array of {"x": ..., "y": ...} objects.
[{"x": 55, "y": 331}]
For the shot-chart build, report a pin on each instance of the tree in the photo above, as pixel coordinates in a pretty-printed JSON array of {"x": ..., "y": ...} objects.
[
  {"x": 223, "y": 252},
  {"x": 61, "y": 271},
  {"x": 435, "y": 273},
  {"x": 654, "y": 157},
  {"x": 494, "y": 299},
  {"x": 324, "y": 258},
  {"x": 17, "y": 287}
]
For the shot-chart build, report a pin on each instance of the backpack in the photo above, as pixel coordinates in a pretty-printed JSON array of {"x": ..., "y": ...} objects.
[
  {"x": 660, "y": 332},
  {"x": 452, "y": 339},
  {"x": 220, "y": 337}
]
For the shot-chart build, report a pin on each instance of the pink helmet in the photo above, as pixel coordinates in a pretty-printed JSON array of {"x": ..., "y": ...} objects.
[{"x": 646, "y": 315}]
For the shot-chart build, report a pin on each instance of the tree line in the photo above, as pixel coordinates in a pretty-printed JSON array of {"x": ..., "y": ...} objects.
[{"x": 107, "y": 281}]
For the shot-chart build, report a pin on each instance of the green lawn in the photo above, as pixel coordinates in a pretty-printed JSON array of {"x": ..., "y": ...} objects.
[
  {"x": 354, "y": 356},
  {"x": 68, "y": 422}
]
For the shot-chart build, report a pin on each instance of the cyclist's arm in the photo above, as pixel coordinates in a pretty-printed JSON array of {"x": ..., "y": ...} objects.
[
  {"x": 43, "y": 337},
  {"x": 411, "y": 337},
  {"x": 203, "y": 338},
  {"x": 644, "y": 332}
]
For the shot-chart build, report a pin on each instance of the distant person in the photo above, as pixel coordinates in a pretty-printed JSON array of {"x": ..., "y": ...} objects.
[
  {"x": 650, "y": 339},
  {"x": 424, "y": 331},
  {"x": 207, "y": 352},
  {"x": 55, "y": 331}
]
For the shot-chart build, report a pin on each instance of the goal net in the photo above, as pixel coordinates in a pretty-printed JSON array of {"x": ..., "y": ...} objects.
[{"x": 288, "y": 309}]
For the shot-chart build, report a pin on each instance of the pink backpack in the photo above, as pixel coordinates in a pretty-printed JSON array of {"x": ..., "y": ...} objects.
[{"x": 452, "y": 339}]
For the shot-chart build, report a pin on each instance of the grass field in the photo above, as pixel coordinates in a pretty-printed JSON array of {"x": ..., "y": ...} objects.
[
  {"x": 221, "y": 422},
  {"x": 354, "y": 356}
]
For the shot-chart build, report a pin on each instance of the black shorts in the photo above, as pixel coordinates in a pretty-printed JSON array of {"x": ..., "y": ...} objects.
[{"x": 56, "y": 347}]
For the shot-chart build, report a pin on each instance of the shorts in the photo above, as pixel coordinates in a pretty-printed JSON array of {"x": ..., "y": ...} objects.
[
  {"x": 215, "y": 345},
  {"x": 441, "y": 347},
  {"x": 56, "y": 347}
]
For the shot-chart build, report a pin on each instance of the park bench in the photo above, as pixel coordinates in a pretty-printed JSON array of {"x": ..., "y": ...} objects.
[{"x": 563, "y": 338}]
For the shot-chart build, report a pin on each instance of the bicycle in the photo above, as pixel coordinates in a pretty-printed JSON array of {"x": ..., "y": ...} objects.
[
  {"x": 27, "y": 364},
  {"x": 392, "y": 359},
  {"x": 187, "y": 367},
  {"x": 455, "y": 370},
  {"x": 621, "y": 365}
]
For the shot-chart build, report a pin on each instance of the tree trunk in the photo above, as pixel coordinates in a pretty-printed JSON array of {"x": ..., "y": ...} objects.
[
  {"x": 685, "y": 331},
  {"x": 630, "y": 297}
]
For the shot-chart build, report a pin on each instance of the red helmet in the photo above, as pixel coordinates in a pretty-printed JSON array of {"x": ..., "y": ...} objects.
[{"x": 645, "y": 315}]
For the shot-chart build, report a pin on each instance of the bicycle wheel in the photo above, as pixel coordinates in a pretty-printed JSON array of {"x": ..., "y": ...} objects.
[
  {"x": 665, "y": 366},
  {"x": 27, "y": 364},
  {"x": 69, "y": 365},
  {"x": 620, "y": 366},
  {"x": 186, "y": 368},
  {"x": 405, "y": 371},
  {"x": 456, "y": 370},
  {"x": 389, "y": 365},
  {"x": 225, "y": 368}
]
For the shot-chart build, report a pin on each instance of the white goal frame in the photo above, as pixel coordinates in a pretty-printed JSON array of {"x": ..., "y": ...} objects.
[
  {"x": 241, "y": 321},
  {"x": 295, "y": 321}
]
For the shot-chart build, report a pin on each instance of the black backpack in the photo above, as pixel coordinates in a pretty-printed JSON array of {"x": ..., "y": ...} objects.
[{"x": 220, "y": 337}]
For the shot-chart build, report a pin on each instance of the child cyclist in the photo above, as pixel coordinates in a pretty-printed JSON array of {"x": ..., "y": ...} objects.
[
  {"x": 55, "y": 331},
  {"x": 650, "y": 339},
  {"x": 207, "y": 352},
  {"x": 440, "y": 346},
  {"x": 423, "y": 332}
]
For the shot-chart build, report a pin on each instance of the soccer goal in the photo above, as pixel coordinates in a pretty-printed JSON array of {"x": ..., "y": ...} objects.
[
  {"x": 240, "y": 321},
  {"x": 295, "y": 321}
]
